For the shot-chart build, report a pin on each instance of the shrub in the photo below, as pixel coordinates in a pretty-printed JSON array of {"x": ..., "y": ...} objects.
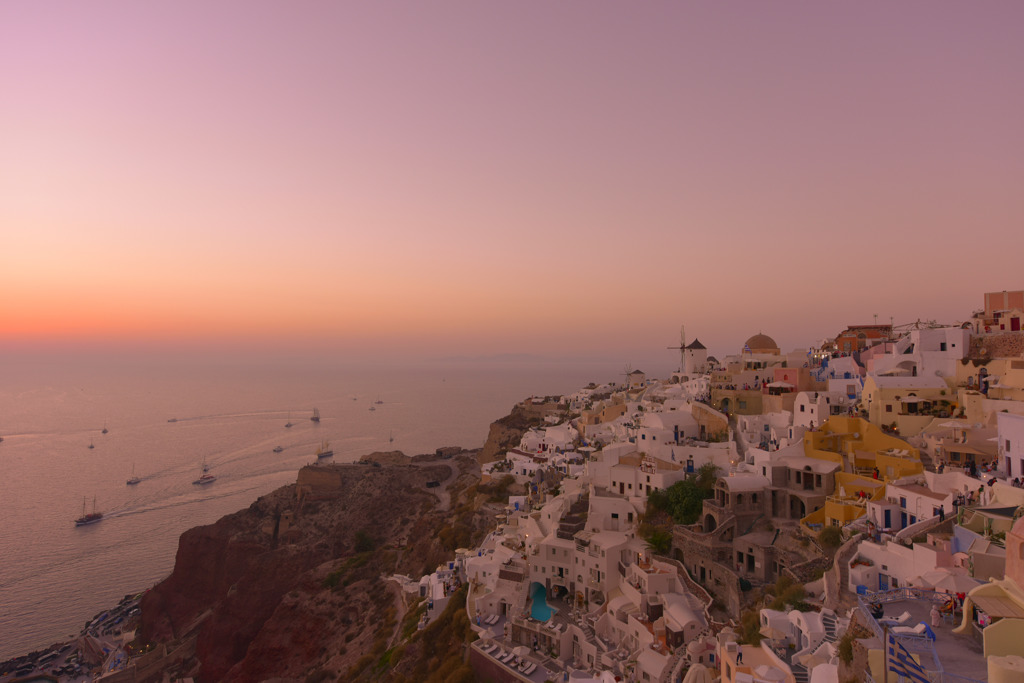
[{"x": 830, "y": 537}]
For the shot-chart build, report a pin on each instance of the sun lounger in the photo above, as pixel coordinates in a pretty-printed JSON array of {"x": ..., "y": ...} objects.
[
  {"x": 916, "y": 630},
  {"x": 896, "y": 621},
  {"x": 530, "y": 668},
  {"x": 488, "y": 647},
  {"x": 492, "y": 620}
]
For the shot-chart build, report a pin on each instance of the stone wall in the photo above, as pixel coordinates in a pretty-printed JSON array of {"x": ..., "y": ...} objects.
[
  {"x": 1001, "y": 345},
  {"x": 700, "y": 561}
]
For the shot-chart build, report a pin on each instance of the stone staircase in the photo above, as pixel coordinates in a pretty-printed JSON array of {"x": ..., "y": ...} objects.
[{"x": 828, "y": 620}]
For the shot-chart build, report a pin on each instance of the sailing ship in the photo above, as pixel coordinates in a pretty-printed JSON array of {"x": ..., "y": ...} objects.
[
  {"x": 90, "y": 518},
  {"x": 325, "y": 450},
  {"x": 391, "y": 437},
  {"x": 373, "y": 408},
  {"x": 90, "y": 445},
  {"x": 204, "y": 476},
  {"x": 105, "y": 430},
  {"x": 133, "y": 480},
  {"x": 316, "y": 415},
  {"x": 278, "y": 449},
  {"x": 379, "y": 402},
  {"x": 288, "y": 424}
]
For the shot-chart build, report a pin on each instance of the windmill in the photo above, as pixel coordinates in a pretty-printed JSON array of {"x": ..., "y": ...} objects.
[
  {"x": 627, "y": 372},
  {"x": 681, "y": 348}
]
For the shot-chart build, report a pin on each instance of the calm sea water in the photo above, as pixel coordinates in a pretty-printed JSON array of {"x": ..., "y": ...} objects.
[{"x": 54, "y": 576}]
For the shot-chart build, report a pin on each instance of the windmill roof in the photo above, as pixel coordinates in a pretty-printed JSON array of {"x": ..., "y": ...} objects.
[{"x": 696, "y": 345}]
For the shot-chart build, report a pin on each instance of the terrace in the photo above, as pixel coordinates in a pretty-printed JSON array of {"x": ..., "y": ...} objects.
[{"x": 907, "y": 620}]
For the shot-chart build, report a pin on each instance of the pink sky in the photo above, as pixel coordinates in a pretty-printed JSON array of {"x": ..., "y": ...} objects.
[{"x": 556, "y": 178}]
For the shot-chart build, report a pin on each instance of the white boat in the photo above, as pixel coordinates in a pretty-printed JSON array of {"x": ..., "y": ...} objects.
[
  {"x": 372, "y": 408},
  {"x": 278, "y": 449},
  {"x": 133, "y": 480},
  {"x": 204, "y": 476}
]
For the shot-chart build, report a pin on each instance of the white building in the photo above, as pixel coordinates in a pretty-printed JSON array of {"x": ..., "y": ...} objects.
[
  {"x": 925, "y": 353},
  {"x": 1011, "y": 444},
  {"x": 812, "y": 409}
]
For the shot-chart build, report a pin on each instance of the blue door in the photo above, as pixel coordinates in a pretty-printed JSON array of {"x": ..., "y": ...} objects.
[
  {"x": 903, "y": 520},
  {"x": 883, "y": 582},
  {"x": 888, "y": 519}
]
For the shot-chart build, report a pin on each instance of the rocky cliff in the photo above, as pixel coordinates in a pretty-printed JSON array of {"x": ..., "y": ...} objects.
[
  {"x": 507, "y": 432},
  {"x": 294, "y": 586}
]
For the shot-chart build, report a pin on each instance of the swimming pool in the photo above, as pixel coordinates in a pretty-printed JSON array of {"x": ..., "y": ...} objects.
[{"x": 539, "y": 609}]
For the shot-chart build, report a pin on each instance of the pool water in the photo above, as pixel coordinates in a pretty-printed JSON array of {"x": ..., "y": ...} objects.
[{"x": 539, "y": 609}]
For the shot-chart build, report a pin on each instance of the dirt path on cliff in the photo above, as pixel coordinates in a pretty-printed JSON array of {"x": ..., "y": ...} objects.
[{"x": 444, "y": 498}]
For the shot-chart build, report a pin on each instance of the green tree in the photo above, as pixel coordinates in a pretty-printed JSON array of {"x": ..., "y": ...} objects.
[
  {"x": 658, "y": 539},
  {"x": 684, "y": 500}
]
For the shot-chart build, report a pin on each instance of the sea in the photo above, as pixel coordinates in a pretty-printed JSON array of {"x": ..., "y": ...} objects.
[{"x": 166, "y": 419}]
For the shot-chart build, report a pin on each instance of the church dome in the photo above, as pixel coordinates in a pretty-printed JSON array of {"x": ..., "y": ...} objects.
[{"x": 761, "y": 343}]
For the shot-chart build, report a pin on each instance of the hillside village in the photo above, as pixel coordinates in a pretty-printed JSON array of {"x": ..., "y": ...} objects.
[{"x": 858, "y": 497}]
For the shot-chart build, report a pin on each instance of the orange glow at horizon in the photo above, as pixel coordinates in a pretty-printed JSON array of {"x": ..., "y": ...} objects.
[{"x": 503, "y": 178}]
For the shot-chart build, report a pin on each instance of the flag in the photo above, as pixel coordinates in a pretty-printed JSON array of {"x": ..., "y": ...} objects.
[
  {"x": 903, "y": 664},
  {"x": 746, "y": 347}
]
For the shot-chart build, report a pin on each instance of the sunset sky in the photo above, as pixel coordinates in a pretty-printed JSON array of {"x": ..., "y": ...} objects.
[{"x": 477, "y": 178}]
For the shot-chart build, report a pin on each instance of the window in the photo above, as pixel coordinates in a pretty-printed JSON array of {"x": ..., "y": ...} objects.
[
  {"x": 903, "y": 502},
  {"x": 942, "y": 346},
  {"x": 801, "y": 410},
  {"x": 888, "y": 407},
  {"x": 629, "y": 516},
  {"x": 615, "y": 515},
  {"x": 1007, "y": 444}
]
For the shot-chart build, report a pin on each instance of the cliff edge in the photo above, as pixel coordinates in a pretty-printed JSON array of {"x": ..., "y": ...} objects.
[{"x": 296, "y": 583}]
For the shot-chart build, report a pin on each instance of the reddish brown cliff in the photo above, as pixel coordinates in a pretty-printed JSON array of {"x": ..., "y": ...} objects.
[{"x": 294, "y": 583}]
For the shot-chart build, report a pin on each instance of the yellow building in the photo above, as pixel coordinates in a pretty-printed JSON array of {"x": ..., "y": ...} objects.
[
  {"x": 907, "y": 403},
  {"x": 605, "y": 411},
  {"x": 859, "y": 448}
]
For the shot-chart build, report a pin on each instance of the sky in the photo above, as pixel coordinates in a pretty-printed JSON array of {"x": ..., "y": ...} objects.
[{"x": 567, "y": 179}]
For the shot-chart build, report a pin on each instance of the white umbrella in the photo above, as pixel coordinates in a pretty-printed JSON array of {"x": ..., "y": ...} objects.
[
  {"x": 521, "y": 651},
  {"x": 957, "y": 583},
  {"x": 772, "y": 633}
]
